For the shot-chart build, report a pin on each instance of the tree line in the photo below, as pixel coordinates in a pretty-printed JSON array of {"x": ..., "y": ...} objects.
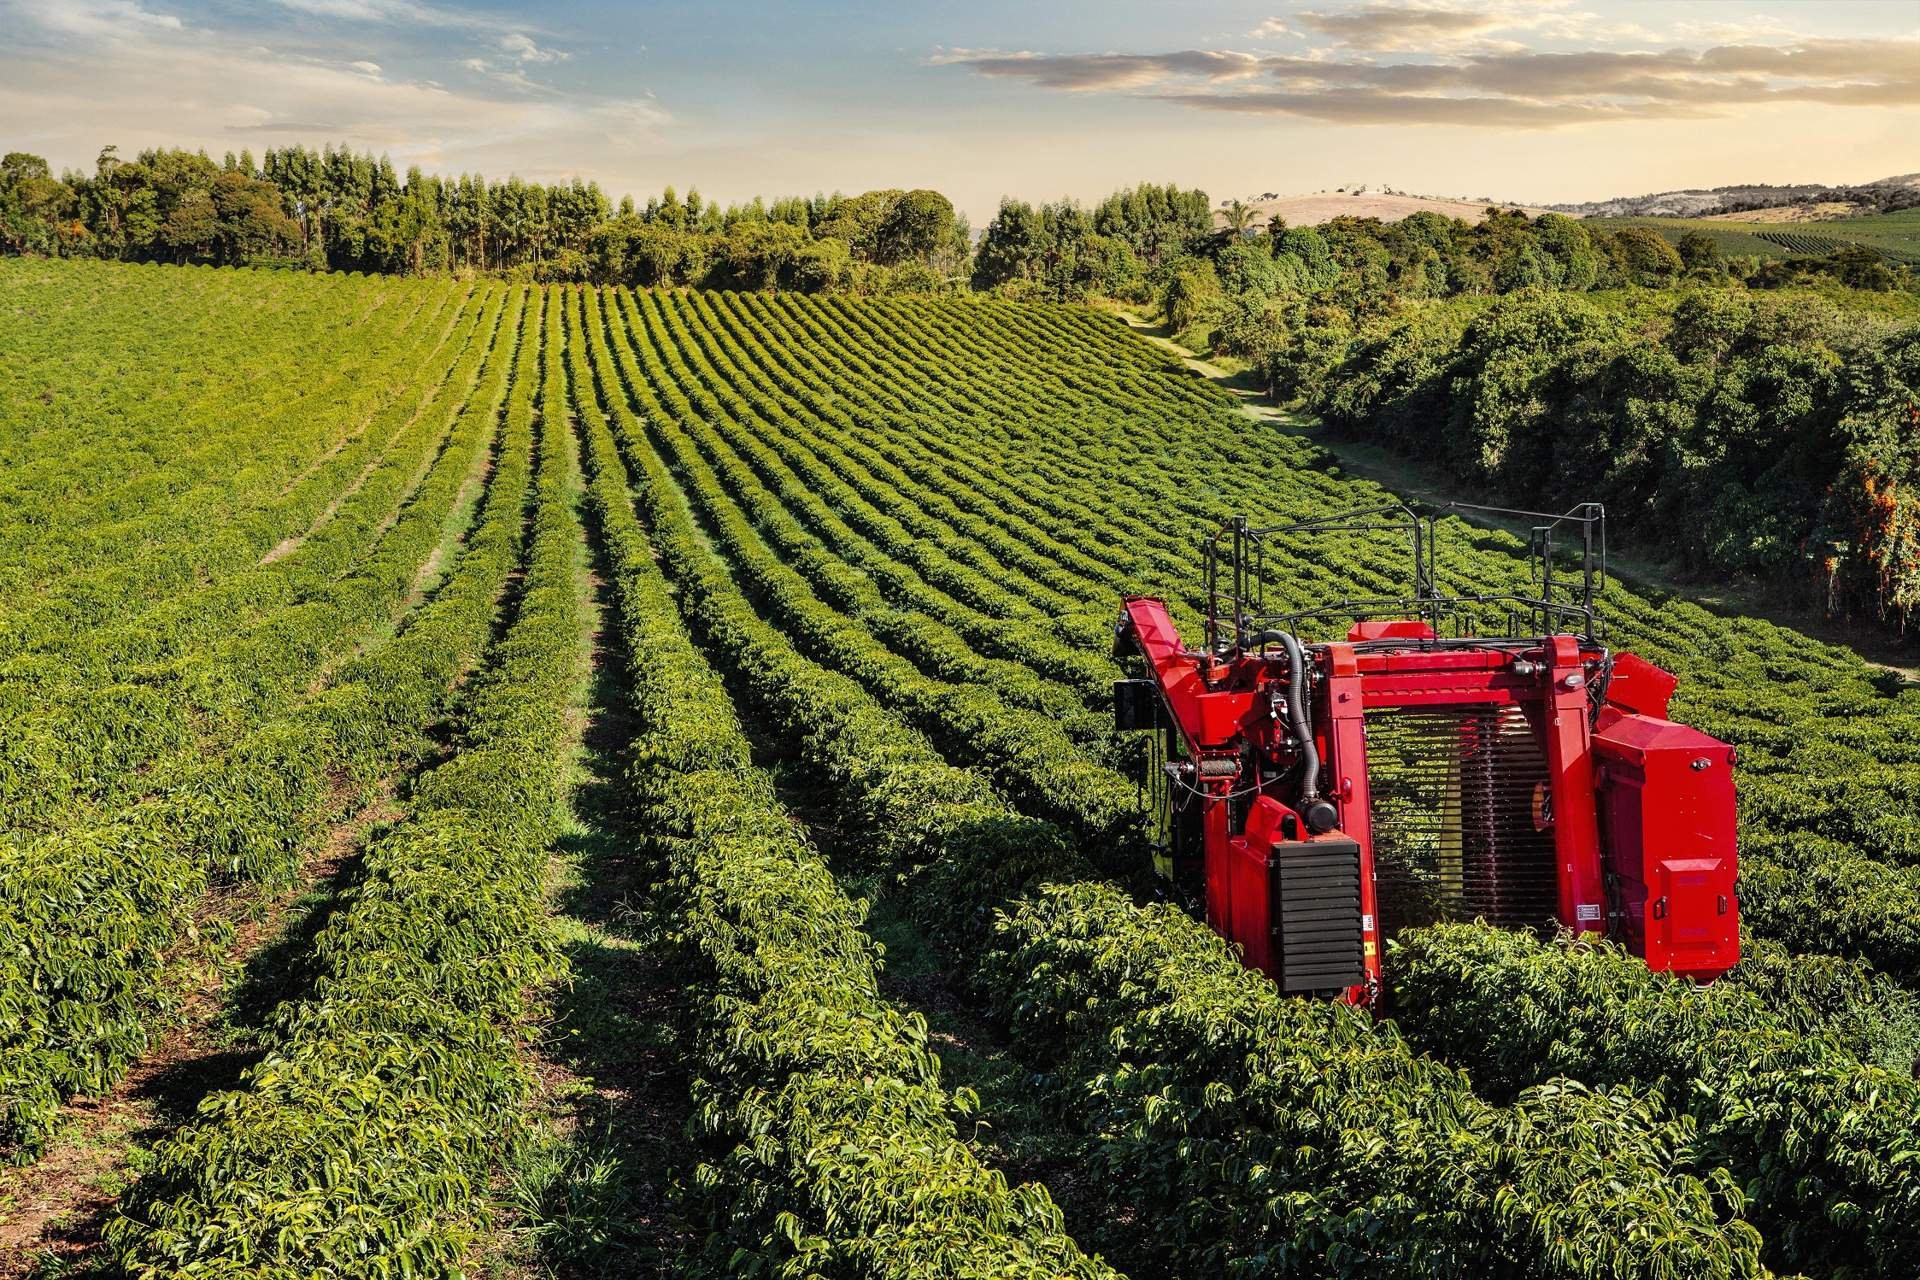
[
  {"x": 337, "y": 210},
  {"x": 1226, "y": 287}
]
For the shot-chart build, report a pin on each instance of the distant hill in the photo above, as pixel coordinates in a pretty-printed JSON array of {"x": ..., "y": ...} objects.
[
  {"x": 1791, "y": 203},
  {"x": 1388, "y": 206}
]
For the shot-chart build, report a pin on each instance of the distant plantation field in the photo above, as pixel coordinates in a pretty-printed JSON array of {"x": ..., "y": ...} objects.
[
  {"x": 1896, "y": 236},
  {"x": 824, "y": 590}
]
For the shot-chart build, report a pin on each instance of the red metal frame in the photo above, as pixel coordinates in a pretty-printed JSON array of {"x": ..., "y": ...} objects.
[{"x": 1665, "y": 843}]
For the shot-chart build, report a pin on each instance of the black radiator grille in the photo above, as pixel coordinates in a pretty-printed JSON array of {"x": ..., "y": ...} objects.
[
  {"x": 1457, "y": 817},
  {"x": 1316, "y": 896}
]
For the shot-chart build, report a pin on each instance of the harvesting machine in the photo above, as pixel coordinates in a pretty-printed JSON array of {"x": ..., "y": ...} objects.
[{"x": 1318, "y": 795}]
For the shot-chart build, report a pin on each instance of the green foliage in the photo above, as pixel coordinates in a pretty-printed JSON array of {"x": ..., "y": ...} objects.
[
  {"x": 1644, "y": 257},
  {"x": 1051, "y": 252},
  {"x": 1161, "y": 225},
  {"x": 1852, "y": 904},
  {"x": 336, "y": 210},
  {"x": 1747, "y": 434},
  {"x": 1266, "y": 1132},
  {"x": 1820, "y": 1140},
  {"x": 213, "y": 797},
  {"x": 830, "y": 1146},
  {"x": 36, "y": 211},
  {"x": 1193, "y": 294},
  {"x": 359, "y": 1144},
  {"x": 898, "y": 526},
  {"x": 917, "y": 814},
  {"x": 1873, "y": 503}
]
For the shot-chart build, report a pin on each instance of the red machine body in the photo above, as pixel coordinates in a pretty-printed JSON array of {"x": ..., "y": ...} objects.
[{"x": 1525, "y": 782}]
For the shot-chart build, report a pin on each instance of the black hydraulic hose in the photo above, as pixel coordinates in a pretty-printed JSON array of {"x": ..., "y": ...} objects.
[{"x": 1297, "y": 716}]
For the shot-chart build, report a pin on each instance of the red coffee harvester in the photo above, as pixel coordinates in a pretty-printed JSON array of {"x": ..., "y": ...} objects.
[{"x": 1322, "y": 794}]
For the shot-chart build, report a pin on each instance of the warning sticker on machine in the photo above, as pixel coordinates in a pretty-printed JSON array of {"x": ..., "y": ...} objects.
[
  {"x": 1587, "y": 911},
  {"x": 1366, "y": 924}
]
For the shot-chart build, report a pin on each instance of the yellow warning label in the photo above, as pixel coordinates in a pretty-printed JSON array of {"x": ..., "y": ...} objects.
[{"x": 1370, "y": 947}]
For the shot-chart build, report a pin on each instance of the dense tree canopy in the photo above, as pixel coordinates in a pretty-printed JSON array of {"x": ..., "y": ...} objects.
[
  {"x": 334, "y": 209},
  {"x": 1748, "y": 434}
]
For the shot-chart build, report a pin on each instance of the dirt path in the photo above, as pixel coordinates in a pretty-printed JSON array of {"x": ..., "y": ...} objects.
[
  {"x": 1412, "y": 479},
  {"x": 53, "y": 1211}
]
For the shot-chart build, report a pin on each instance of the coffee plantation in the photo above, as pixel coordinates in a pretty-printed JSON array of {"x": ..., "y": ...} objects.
[{"x": 838, "y": 576}]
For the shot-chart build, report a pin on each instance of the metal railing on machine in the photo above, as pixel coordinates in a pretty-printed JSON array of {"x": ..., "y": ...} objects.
[{"x": 1566, "y": 582}]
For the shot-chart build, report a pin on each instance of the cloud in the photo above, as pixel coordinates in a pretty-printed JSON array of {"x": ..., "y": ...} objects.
[
  {"x": 1348, "y": 106},
  {"x": 1388, "y": 27},
  {"x": 520, "y": 47},
  {"x": 514, "y": 77},
  {"x": 1757, "y": 26},
  {"x": 510, "y": 49},
  {"x": 1397, "y": 26},
  {"x": 1507, "y": 86},
  {"x": 509, "y": 38},
  {"x": 400, "y": 12},
  {"x": 1104, "y": 72},
  {"x": 93, "y": 19},
  {"x": 203, "y": 87}
]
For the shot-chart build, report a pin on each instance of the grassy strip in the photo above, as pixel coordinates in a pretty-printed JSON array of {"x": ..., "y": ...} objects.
[
  {"x": 1823, "y": 1142},
  {"x": 830, "y": 1142},
  {"x": 357, "y": 1146}
]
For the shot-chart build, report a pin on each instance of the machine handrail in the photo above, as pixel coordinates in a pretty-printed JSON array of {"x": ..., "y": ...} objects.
[{"x": 1236, "y": 576}]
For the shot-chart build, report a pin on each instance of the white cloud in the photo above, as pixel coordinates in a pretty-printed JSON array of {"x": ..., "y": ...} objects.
[
  {"x": 201, "y": 88},
  {"x": 1506, "y": 86},
  {"x": 1271, "y": 27},
  {"x": 520, "y": 47},
  {"x": 1752, "y": 28},
  {"x": 96, "y": 19},
  {"x": 1411, "y": 24},
  {"x": 404, "y": 12},
  {"x": 1103, "y": 72},
  {"x": 514, "y": 77}
]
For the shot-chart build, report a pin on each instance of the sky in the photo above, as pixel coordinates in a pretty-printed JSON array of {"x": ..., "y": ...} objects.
[{"x": 1534, "y": 101}]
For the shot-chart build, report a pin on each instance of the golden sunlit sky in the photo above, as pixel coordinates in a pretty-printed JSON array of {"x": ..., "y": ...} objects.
[{"x": 1524, "y": 100}]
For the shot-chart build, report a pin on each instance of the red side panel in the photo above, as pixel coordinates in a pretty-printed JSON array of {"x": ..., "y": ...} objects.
[
  {"x": 1667, "y": 811},
  {"x": 1397, "y": 629},
  {"x": 1252, "y": 909}
]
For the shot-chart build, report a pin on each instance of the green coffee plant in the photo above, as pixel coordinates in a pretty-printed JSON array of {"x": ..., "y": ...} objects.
[
  {"x": 360, "y": 1144},
  {"x": 830, "y": 1143}
]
